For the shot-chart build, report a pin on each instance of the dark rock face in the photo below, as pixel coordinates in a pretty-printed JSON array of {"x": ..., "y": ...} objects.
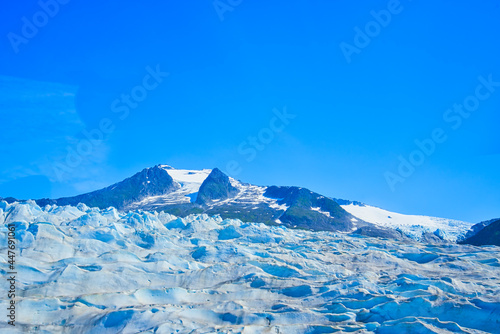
[
  {"x": 489, "y": 235},
  {"x": 478, "y": 227},
  {"x": 149, "y": 182},
  {"x": 340, "y": 201},
  {"x": 300, "y": 213},
  {"x": 9, "y": 199},
  {"x": 215, "y": 186}
]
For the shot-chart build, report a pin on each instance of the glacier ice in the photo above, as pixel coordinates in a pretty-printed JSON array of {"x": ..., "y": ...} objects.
[{"x": 84, "y": 270}]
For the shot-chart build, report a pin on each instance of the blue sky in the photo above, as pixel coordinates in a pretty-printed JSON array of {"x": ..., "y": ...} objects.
[{"x": 205, "y": 79}]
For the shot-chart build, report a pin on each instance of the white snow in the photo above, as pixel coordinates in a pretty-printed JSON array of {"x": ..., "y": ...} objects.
[
  {"x": 412, "y": 225},
  {"x": 83, "y": 270},
  {"x": 318, "y": 209},
  {"x": 189, "y": 177},
  {"x": 251, "y": 195}
]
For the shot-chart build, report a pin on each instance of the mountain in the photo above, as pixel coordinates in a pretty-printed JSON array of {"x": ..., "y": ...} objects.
[
  {"x": 155, "y": 181},
  {"x": 9, "y": 199},
  {"x": 309, "y": 210},
  {"x": 182, "y": 192},
  {"x": 478, "y": 227},
  {"x": 486, "y": 233},
  {"x": 216, "y": 186}
]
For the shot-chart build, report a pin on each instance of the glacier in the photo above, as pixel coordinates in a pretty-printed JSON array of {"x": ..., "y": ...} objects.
[
  {"x": 86, "y": 270},
  {"x": 413, "y": 226}
]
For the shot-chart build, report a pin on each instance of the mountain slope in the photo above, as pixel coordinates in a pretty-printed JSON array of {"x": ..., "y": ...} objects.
[
  {"x": 307, "y": 210},
  {"x": 478, "y": 227},
  {"x": 489, "y": 235},
  {"x": 415, "y": 226},
  {"x": 216, "y": 186},
  {"x": 149, "y": 182}
]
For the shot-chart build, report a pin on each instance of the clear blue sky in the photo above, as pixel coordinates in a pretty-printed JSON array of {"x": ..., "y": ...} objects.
[{"x": 226, "y": 76}]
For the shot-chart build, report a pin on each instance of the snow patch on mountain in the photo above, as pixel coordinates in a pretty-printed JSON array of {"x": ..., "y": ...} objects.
[
  {"x": 413, "y": 226},
  {"x": 250, "y": 195},
  {"x": 323, "y": 212}
]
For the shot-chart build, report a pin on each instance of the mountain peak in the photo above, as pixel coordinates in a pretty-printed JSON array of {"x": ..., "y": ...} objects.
[
  {"x": 216, "y": 172},
  {"x": 148, "y": 182},
  {"x": 216, "y": 186}
]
